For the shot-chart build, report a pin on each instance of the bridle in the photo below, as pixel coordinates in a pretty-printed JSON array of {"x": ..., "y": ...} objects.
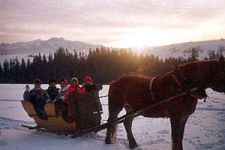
[{"x": 181, "y": 84}]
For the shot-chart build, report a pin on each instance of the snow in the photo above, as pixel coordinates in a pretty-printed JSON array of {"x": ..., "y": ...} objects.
[
  {"x": 45, "y": 46},
  {"x": 15, "y": 56},
  {"x": 205, "y": 129},
  {"x": 184, "y": 49},
  {"x": 24, "y": 49}
]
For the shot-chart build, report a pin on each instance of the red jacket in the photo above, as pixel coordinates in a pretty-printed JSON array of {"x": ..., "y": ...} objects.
[{"x": 70, "y": 105}]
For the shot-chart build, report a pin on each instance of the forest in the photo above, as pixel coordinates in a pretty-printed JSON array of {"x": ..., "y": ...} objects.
[{"x": 103, "y": 64}]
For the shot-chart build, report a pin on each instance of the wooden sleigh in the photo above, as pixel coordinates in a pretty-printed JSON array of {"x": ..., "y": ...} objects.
[{"x": 88, "y": 112}]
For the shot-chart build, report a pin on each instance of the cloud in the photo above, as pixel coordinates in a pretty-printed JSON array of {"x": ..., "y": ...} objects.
[{"x": 93, "y": 20}]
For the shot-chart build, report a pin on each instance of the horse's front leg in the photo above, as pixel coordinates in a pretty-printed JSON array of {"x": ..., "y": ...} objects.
[{"x": 177, "y": 126}]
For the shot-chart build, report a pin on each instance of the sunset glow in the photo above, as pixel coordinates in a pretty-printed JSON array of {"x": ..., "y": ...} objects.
[{"x": 116, "y": 23}]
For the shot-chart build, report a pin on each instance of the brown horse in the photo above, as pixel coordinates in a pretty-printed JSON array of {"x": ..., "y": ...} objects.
[{"x": 133, "y": 93}]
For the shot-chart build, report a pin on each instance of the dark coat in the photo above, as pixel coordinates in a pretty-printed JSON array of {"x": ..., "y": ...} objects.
[
  {"x": 93, "y": 86},
  {"x": 52, "y": 92}
]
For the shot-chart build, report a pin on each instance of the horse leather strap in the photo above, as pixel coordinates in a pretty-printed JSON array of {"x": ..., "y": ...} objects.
[
  {"x": 182, "y": 74},
  {"x": 198, "y": 95},
  {"x": 192, "y": 94},
  {"x": 176, "y": 80},
  {"x": 153, "y": 79},
  {"x": 135, "y": 113},
  {"x": 151, "y": 88},
  {"x": 195, "y": 95}
]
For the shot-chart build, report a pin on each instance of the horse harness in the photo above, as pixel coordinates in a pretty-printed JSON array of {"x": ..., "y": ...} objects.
[{"x": 197, "y": 94}]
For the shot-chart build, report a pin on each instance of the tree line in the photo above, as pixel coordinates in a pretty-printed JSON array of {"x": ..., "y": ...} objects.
[{"x": 103, "y": 64}]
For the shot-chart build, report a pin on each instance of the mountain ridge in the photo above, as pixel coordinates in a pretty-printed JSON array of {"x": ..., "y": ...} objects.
[
  {"x": 44, "y": 46},
  {"x": 184, "y": 49},
  {"x": 25, "y": 49}
]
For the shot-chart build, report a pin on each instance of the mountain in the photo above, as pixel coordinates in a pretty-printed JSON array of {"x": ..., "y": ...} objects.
[
  {"x": 42, "y": 46},
  {"x": 24, "y": 49},
  {"x": 184, "y": 49}
]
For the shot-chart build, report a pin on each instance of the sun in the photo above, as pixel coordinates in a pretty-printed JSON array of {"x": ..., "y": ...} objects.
[
  {"x": 136, "y": 38},
  {"x": 144, "y": 37},
  {"x": 139, "y": 38}
]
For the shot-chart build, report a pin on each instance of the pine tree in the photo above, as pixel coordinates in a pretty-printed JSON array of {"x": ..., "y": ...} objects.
[
  {"x": 194, "y": 54},
  {"x": 221, "y": 49},
  {"x": 212, "y": 54},
  {"x": 1, "y": 74},
  {"x": 6, "y": 65},
  {"x": 103, "y": 64}
]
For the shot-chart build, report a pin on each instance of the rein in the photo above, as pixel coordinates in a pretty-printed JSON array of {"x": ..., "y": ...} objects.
[{"x": 137, "y": 112}]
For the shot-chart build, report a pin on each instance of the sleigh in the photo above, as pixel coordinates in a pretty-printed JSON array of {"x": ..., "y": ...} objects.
[
  {"x": 178, "y": 119},
  {"x": 88, "y": 112}
]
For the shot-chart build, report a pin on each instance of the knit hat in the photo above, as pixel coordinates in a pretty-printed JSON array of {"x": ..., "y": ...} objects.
[
  {"x": 88, "y": 79},
  {"x": 74, "y": 79}
]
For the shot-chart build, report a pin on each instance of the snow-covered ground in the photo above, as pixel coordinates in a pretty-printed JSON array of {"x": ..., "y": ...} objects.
[{"x": 205, "y": 129}]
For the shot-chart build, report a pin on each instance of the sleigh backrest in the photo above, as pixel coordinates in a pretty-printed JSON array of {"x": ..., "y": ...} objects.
[
  {"x": 55, "y": 121},
  {"x": 49, "y": 109}
]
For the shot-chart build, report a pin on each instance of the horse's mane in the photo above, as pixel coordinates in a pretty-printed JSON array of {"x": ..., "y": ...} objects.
[
  {"x": 196, "y": 63},
  {"x": 168, "y": 72}
]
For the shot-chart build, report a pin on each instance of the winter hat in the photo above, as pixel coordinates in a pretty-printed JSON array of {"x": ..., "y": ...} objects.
[
  {"x": 74, "y": 79},
  {"x": 88, "y": 79}
]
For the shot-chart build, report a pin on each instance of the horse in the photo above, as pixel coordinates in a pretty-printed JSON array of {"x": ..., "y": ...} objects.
[{"x": 136, "y": 92}]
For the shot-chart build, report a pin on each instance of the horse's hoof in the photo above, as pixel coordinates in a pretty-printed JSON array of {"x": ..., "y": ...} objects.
[
  {"x": 133, "y": 145},
  {"x": 109, "y": 141}
]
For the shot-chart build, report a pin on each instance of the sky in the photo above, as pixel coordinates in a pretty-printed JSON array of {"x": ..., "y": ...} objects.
[{"x": 116, "y": 23}]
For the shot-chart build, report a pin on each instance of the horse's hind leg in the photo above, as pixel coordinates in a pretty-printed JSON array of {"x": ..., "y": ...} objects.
[
  {"x": 114, "y": 110},
  {"x": 128, "y": 126},
  {"x": 177, "y": 126}
]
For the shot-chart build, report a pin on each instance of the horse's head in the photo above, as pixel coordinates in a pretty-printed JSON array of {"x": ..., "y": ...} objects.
[{"x": 218, "y": 81}]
